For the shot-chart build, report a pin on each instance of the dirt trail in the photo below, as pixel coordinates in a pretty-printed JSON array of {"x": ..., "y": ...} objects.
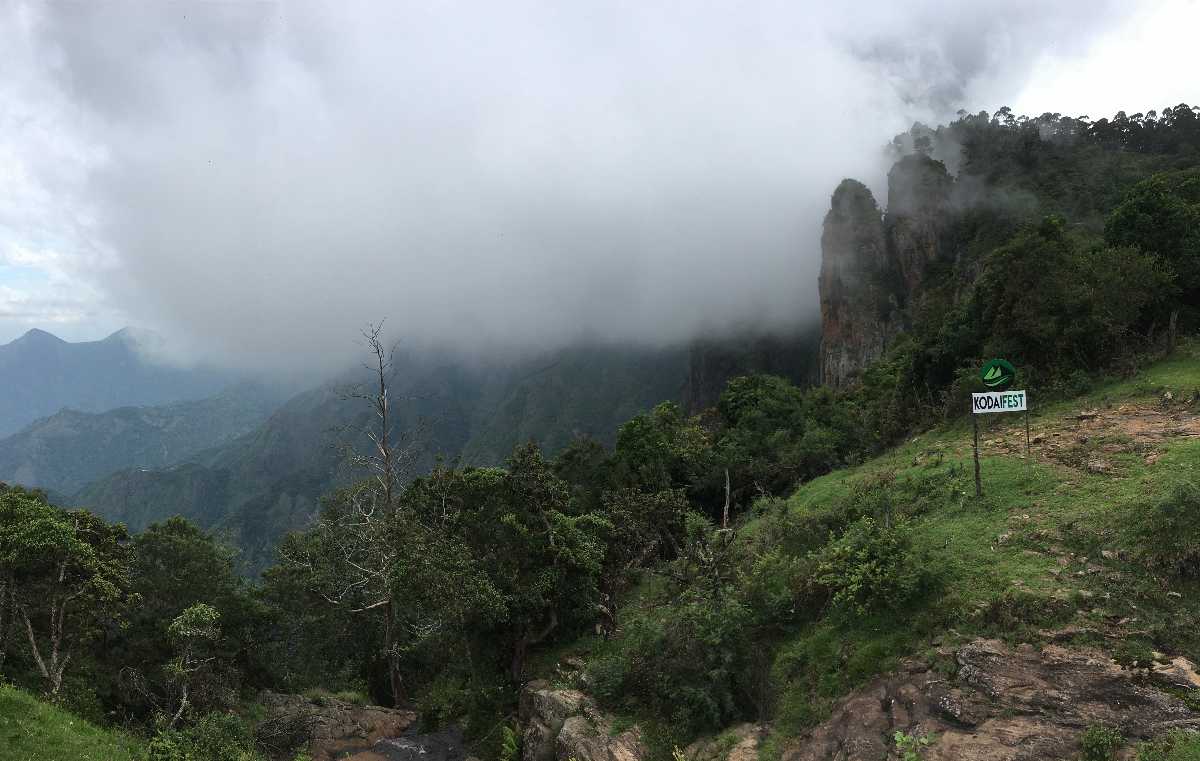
[{"x": 1091, "y": 439}]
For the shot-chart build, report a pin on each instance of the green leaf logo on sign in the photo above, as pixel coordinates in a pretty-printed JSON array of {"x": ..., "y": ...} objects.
[{"x": 998, "y": 374}]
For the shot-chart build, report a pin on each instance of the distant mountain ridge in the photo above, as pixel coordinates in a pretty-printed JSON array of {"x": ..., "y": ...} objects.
[
  {"x": 65, "y": 451},
  {"x": 265, "y": 483},
  {"x": 41, "y": 374}
]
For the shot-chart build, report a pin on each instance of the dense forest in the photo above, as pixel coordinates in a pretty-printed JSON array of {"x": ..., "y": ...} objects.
[{"x": 671, "y": 560}]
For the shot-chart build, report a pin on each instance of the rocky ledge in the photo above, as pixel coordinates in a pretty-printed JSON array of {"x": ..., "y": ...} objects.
[
  {"x": 328, "y": 727},
  {"x": 565, "y": 725},
  {"x": 1003, "y": 704}
]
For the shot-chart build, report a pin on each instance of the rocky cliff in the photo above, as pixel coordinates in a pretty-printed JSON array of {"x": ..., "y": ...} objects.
[
  {"x": 873, "y": 265},
  {"x": 1002, "y": 703},
  {"x": 981, "y": 701}
]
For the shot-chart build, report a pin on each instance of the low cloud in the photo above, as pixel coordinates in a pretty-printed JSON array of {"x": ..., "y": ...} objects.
[{"x": 258, "y": 180}]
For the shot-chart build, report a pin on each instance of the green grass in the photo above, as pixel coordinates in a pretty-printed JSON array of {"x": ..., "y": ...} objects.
[
  {"x": 1046, "y": 545},
  {"x": 1049, "y": 545},
  {"x": 31, "y": 730},
  {"x": 321, "y": 695}
]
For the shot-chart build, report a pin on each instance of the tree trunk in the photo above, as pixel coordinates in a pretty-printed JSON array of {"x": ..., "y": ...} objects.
[
  {"x": 52, "y": 672},
  {"x": 395, "y": 678},
  {"x": 1171, "y": 328},
  {"x": 517, "y": 666},
  {"x": 725, "y": 514},
  {"x": 7, "y": 612}
]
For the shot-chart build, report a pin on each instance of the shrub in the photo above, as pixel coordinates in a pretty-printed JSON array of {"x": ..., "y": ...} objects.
[
  {"x": 1173, "y": 531},
  {"x": 214, "y": 737},
  {"x": 510, "y": 743},
  {"x": 869, "y": 568},
  {"x": 1099, "y": 743},
  {"x": 1176, "y": 746},
  {"x": 683, "y": 662},
  {"x": 910, "y": 746},
  {"x": 1133, "y": 653}
]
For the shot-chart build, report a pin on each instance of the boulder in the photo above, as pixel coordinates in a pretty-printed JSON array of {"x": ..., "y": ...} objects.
[
  {"x": 563, "y": 724},
  {"x": 1004, "y": 704},
  {"x": 326, "y": 725}
]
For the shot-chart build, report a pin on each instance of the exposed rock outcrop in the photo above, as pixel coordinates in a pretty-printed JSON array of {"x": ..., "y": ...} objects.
[
  {"x": 1004, "y": 704},
  {"x": 327, "y": 726},
  {"x": 917, "y": 214},
  {"x": 562, "y": 724},
  {"x": 740, "y": 743},
  {"x": 859, "y": 315},
  {"x": 873, "y": 266}
]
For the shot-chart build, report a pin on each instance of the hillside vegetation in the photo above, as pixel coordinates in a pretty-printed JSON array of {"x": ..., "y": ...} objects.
[
  {"x": 1095, "y": 534},
  {"x": 31, "y": 730}
]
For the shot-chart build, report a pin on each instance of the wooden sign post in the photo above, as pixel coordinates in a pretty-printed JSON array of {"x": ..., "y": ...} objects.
[{"x": 997, "y": 374}]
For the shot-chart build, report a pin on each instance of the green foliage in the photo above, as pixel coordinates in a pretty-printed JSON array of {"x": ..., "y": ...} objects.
[
  {"x": 1172, "y": 533},
  {"x": 1099, "y": 743},
  {"x": 662, "y": 449},
  {"x": 66, "y": 575},
  {"x": 775, "y": 435},
  {"x": 869, "y": 568},
  {"x": 1134, "y": 653},
  {"x": 510, "y": 743},
  {"x": 1178, "y": 745},
  {"x": 910, "y": 746},
  {"x": 32, "y": 729},
  {"x": 1161, "y": 215},
  {"x": 214, "y": 737},
  {"x": 681, "y": 662}
]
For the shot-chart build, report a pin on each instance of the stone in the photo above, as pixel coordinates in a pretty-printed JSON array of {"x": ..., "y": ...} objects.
[
  {"x": 328, "y": 726},
  {"x": 543, "y": 711},
  {"x": 1178, "y": 673},
  {"x": 1005, "y": 704},
  {"x": 562, "y": 724}
]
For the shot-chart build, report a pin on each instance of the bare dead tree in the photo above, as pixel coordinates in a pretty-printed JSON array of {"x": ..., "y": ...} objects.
[{"x": 360, "y": 535}]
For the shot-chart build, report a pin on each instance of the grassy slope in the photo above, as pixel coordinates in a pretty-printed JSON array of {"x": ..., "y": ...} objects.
[
  {"x": 1049, "y": 544},
  {"x": 31, "y": 730}
]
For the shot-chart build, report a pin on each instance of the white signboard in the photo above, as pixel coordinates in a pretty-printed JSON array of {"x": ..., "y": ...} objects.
[{"x": 998, "y": 401}]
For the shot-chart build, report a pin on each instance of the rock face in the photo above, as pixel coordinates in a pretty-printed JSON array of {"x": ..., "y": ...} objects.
[
  {"x": 917, "y": 214},
  {"x": 713, "y": 362},
  {"x": 873, "y": 266},
  {"x": 561, "y": 725},
  {"x": 858, "y": 314},
  {"x": 328, "y": 726},
  {"x": 1004, "y": 704}
]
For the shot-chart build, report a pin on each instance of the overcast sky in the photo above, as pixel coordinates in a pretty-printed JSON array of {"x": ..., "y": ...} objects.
[{"x": 257, "y": 180}]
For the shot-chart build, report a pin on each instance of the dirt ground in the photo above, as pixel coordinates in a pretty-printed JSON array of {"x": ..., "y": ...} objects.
[{"x": 1090, "y": 439}]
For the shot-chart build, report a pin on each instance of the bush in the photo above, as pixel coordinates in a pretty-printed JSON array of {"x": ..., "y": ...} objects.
[
  {"x": 1173, "y": 531},
  {"x": 1099, "y": 743},
  {"x": 684, "y": 662},
  {"x": 214, "y": 737},
  {"x": 869, "y": 568},
  {"x": 1176, "y": 746},
  {"x": 1133, "y": 653}
]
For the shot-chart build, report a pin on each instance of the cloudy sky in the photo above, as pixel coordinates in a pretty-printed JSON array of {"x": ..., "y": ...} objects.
[{"x": 256, "y": 180}]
